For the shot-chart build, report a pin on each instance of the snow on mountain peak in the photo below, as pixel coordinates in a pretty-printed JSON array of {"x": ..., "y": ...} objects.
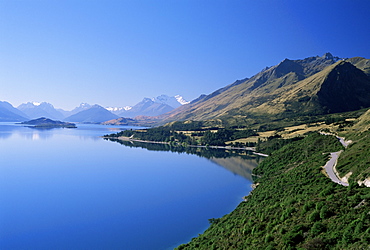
[
  {"x": 173, "y": 101},
  {"x": 181, "y": 100},
  {"x": 84, "y": 105},
  {"x": 117, "y": 109}
]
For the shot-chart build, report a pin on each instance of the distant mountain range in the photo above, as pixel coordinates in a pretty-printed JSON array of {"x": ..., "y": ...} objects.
[
  {"x": 311, "y": 86},
  {"x": 147, "y": 107},
  {"x": 35, "y": 110},
  {"x": 89, "y": 113},
  {"x": 150, "y": 106},
  {"x": 306, "y": 87},
  {"x": 9, "y": 113}
]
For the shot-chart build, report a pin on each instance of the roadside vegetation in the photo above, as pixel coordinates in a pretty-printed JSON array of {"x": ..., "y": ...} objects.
[{"x": 355, "y": 160}]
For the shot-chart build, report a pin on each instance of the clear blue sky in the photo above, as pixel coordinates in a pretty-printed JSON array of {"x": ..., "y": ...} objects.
[{"x": 115, "y": 53}]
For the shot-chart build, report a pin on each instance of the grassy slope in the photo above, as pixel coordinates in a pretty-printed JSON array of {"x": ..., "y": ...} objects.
[
  {"x": 356, "y": 159},
  {"x": 294, "y": 206},
  {"x": 237, "y": 99}
]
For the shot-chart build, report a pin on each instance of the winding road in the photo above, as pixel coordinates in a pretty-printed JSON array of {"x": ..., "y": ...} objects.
[
  {"x": 329, "y": 168},
  {"x": 330, "y": 165}
]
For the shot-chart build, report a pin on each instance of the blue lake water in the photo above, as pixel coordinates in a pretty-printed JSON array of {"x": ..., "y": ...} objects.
[{"x": 70, "y": 189}]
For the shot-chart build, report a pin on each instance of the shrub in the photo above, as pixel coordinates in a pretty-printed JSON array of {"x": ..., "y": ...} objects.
[
  {"x": 314, "y": 216},
  {"x": 317, "y": 228}
]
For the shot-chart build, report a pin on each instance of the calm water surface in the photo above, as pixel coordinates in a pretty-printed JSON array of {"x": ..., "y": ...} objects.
[{"x": 70, "y": 189}]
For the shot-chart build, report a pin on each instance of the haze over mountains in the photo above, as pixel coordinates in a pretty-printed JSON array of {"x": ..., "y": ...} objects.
[{"x": 89, "y": 113}]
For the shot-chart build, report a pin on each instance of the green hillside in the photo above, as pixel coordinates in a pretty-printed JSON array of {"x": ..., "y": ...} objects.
[
  {"x": 354, "y": 162},
  {"x": 294, "y": 206}
]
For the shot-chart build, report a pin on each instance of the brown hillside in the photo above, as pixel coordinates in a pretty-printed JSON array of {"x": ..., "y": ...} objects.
[{"x": 315, "y": 85}]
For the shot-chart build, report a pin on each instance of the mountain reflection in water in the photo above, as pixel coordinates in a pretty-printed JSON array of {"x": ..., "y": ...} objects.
[{"x": 240, "y": 162}]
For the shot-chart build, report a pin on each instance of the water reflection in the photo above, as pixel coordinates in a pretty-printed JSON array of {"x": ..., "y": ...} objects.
[
  {"x": 83, "y": 131},
  {"x": 7, "y": 129},
  {"x": 99, "y": 194},
  {"x": 242, "y": 166},
  {"x": 240, "y": 162},
  {"x": 37, "y": 134},
  {"x": 28, "y": 132}
]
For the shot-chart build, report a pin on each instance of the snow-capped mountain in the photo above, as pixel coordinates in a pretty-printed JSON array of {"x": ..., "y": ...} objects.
[
  {"x": 153, "y": 106},
  {"x": 181, "y": 100},
  {"x": 40, "y": 109},
  {"x": 117, "y": 110},
  {"x": 173, "y": 101},
  {"x": 147, "y": 107}
]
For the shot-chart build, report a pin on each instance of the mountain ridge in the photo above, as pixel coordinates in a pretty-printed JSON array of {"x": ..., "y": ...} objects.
[
  {"x": 264, "y": 94},
  {"x": 44, "y": 109},
  {"x": 153, "y": 106}
]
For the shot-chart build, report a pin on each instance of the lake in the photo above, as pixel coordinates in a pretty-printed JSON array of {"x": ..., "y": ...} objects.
[{"x": 71, "y": 189}]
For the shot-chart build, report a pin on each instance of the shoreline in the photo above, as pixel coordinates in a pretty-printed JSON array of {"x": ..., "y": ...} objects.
[{"x": 124, "y": 138}]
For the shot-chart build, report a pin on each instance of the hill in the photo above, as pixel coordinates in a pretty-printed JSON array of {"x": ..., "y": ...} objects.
[
  {"x": 48, "y": 123},
  {"x": 311, "y": 86},
  {"x": 363, "y": 123},
  {"x": 294, "y": 205}
]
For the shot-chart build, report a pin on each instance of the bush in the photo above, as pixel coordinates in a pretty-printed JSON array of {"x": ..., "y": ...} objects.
[
  {"x": 292, "y": 239},
  {"x": 314, "y": 216},
  {"x": 324, "y": 212},
  {"x": 268, "y": 238},
  {"x": 317, "y": 228}
]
